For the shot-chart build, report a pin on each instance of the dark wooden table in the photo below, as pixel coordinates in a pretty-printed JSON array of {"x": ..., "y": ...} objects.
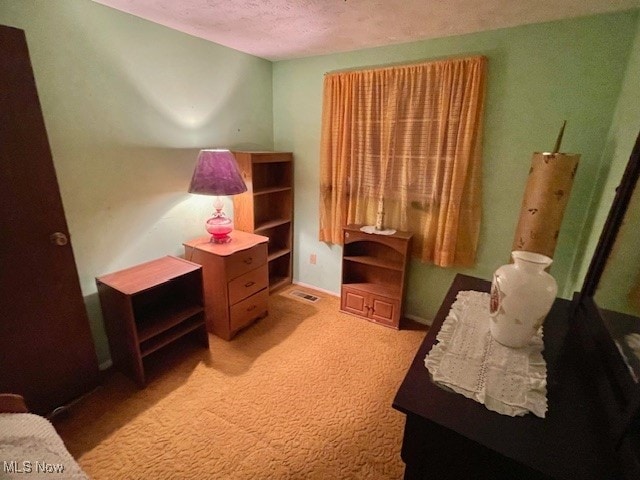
[{"x": 450, "y": 436}]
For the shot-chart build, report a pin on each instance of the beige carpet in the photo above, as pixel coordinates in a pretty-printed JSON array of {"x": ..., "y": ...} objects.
[{"x": 305, "y": 393}]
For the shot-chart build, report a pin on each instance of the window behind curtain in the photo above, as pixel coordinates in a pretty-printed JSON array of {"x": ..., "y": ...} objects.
[{"x": 412, "y": 136}]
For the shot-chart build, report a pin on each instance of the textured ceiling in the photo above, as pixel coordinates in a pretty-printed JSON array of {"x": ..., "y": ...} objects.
[{"x": 285, "y": 29}]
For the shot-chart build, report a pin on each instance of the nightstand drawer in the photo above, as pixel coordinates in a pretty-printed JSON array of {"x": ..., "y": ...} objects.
[
  {"x": 244, "y": 312},
  {"x": 246, "y": 260},
  {"x": 248, "y": 284}
]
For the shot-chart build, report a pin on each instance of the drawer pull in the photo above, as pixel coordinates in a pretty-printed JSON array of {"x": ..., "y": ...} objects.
[
  {"x": 248, "y": 261},
  {"x": 252, "y": 307},
  {"x": 249, "y": 284}
]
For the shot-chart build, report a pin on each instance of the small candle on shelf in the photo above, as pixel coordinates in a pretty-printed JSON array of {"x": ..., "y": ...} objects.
[{"x": 380, "y": 214}]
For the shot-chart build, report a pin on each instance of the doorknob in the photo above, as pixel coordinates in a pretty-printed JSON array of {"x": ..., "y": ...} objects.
[{"x": 59, "y": 239}]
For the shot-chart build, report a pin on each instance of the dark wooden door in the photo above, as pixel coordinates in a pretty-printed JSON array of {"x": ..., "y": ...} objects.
[{"x": 46, "y": 348}]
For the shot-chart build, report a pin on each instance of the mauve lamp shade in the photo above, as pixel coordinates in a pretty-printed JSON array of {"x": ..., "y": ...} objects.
[{"x": 217, "y": 173}]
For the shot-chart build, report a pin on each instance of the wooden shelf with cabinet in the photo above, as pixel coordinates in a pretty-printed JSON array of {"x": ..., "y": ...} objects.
[
  {"x": 266, "y": 208},
  {"x": 373, "y": 275},
  {"x": 148, "y": 306}
]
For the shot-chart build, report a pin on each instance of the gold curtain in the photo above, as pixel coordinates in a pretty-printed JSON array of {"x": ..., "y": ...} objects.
[{"x": 412, "y": 136}]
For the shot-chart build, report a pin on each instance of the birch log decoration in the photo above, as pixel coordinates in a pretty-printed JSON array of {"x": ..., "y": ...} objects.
[{"x": 545, "y": 198}]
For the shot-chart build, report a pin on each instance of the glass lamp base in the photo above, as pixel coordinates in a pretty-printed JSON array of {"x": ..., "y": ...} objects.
[
  {"x": 220, "y": 239},
  {"x": 219, "y": 226}
]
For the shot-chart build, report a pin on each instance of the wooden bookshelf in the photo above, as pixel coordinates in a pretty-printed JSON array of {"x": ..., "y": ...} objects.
[
  {"x": 266, "y": 208},
  {"x": 373, "y": 275}
]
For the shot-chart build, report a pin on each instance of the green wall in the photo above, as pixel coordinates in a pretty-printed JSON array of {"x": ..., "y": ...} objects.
[
  {"x": 127, "y": 105},
  {"x": 538, "y": 76}
]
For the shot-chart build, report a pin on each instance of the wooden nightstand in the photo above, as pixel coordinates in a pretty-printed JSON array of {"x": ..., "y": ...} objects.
[{"x": 235, "y": 279}]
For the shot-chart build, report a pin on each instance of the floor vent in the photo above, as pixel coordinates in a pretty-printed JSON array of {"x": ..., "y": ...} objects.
[{"x": 304, "y": 295}]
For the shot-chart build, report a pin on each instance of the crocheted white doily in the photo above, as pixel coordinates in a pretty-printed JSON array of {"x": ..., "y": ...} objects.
[
  {"x": 372, "y": 229},
  {"x": 469, "y": 361}
]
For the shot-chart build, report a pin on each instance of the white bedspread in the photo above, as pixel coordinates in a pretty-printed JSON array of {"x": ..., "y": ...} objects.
[{"x": 30, "y": 448}]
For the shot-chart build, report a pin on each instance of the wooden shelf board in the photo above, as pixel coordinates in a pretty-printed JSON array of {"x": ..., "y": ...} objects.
[
  {"x": 169, "y": 336},
  {"x": 278, "y": 282},
  {"x": 148, "y": 275},
  {"x": 155, "y": 323},
  {"x": 375, "y": 261},
  {"x": 271, "y": 223},
  {"x": 384, "y": 290},
  {"x": 278, "y": 253},
  {"x": 270, "y": 159},
  {"x": 265, "y": 191}
]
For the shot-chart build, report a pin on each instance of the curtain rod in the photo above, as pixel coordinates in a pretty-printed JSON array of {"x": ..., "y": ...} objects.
[{"x": 396, "y": 65}]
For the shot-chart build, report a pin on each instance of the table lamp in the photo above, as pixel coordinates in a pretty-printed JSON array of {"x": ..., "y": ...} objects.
[
  {"x": 545, "y": 198},
  {"x": 217, "y": 173}
]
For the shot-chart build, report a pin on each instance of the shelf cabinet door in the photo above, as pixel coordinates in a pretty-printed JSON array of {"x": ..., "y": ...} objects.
[
  {"x": 385, "y": 311},
  {"x": 354, "y": 301},
  {"x": 376, "y": 308}
]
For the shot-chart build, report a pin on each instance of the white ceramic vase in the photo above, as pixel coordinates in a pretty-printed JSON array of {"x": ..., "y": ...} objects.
[{"x": 521, "y": 296}]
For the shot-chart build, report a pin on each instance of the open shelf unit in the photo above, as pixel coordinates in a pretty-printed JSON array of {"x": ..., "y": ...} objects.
[
  {"x": 373, "y": 275},
  {"x": 266, "y": 208},
  {"x": 148, "y": 306},
  {"x": 280, "y": 270}
]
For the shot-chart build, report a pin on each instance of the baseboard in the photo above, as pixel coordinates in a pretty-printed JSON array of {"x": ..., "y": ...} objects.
[
  {"x": 415, "y": 318},
  {"x": 313, "y": 287}
]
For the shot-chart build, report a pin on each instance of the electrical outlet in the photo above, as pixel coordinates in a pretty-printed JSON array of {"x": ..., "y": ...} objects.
[{"x": 312, "y": 259}]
